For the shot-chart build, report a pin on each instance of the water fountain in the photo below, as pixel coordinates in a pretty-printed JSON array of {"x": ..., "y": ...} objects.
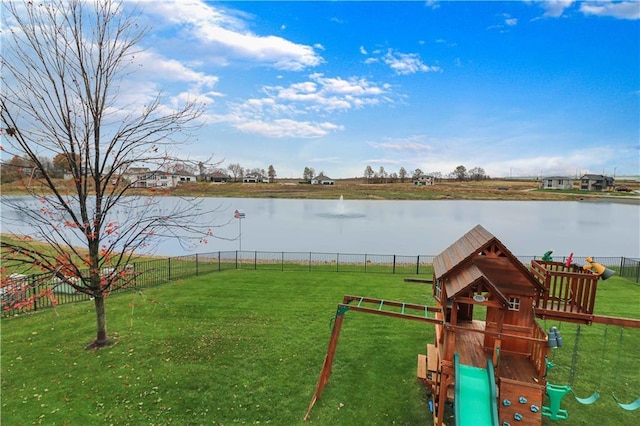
[{"x": 341, "y": 211}]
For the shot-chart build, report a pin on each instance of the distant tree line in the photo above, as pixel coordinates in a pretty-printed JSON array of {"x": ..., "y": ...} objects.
[
  {"x": 17, "y": 168},
  {"x": 460, "y": 173}
]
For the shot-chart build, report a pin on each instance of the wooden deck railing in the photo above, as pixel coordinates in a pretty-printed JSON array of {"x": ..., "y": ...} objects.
[
  {"x": 539, "y": 350},
  {"x": 567, "y": 289}
]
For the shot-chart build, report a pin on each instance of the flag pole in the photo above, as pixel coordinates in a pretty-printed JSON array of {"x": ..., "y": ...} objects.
[{"x": 239, "y": 214}]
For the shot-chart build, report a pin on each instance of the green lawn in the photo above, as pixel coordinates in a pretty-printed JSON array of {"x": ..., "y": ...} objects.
[{"x": 244, "y": 346}]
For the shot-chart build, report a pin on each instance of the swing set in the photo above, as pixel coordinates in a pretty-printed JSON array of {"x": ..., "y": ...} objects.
[{"x": 557, "y": 392}]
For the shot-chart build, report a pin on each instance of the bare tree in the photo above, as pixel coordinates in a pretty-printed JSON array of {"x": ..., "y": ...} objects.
[
  {"x": 382, "y": 174},
  {"x": 308, "y": 173},
  {"x": 477, "y": 173},
  {"x": 460, "y": 173},
  {"x": 62, "y": 67},
  {"x": 369, "y": 173},
  {"x": 236, "y": 170},
  {"x": 402, "y": 174},
  {"x": 272, "y": 173}
]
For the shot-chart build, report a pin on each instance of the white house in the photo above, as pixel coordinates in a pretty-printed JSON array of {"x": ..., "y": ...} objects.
[
  {"x": 159, "y": 179},
  {"x": 254, "y": 178},
  {"x": 423, "y": 180},
  {"x": 321, "y": 179}
]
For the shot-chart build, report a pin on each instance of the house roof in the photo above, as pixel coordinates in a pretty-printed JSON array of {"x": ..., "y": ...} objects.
[
  {"x": 592, "y": 176},
  {"x": 322, "y": 177},
  {"x": 480, "y": 256},
  {"x": 219, "y": 173}
]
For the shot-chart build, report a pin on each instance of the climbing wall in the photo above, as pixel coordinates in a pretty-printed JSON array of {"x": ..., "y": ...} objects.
[{"x": 520, "y": 403}]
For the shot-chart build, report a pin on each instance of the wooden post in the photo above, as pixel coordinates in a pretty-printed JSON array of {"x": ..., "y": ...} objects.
[{"x": 328, "y": 360}]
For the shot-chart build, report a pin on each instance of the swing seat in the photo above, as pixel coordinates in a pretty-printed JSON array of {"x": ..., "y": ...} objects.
[
  {"x": 588, "y": 400},
  {"x": 632, "y": 406},
  {"x": 555, "y": 394}
]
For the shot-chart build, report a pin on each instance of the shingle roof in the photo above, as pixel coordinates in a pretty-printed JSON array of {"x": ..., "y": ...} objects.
[{"x": 465, "y": 247}]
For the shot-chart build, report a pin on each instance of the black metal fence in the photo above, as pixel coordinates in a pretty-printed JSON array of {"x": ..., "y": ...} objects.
[{"x": 149, "y": 273}]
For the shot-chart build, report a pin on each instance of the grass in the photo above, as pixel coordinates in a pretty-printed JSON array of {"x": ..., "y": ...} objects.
[
  {"x": 244, "y": 346},
  {"x": 358, "y": 189}
]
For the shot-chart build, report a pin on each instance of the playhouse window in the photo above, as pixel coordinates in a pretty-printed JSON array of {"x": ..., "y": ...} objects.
[
  {"x": 438, "y": 290},
  {"x": 514, "y": 304}
]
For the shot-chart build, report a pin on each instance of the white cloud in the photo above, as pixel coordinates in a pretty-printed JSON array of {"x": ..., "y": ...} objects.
[
  {"x": 555, "y": 8},
  {"x": 406, "y": 63},
  {"x": 226, "y": 35},
  {"x": 416, "y": 144},
  {"x": 278, "y": 113},
  {"x": 623, "y": 10},
  {"x": 283, "y": 128},
  {"x": 363, "y": 50},
  {"x": 433, "y": 4}
]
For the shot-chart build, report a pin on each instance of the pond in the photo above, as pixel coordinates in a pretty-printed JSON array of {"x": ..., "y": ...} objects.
[{"x": 527, "y": 228}]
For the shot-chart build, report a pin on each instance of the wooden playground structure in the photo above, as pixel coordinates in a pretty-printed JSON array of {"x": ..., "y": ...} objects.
[{"x": 492, "y": 365}]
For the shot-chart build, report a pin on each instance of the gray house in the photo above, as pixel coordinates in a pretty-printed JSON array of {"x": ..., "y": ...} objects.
[
  {"x": 217, "y": 176},
  {"x": 556, "y": 182},
  {"x": 591, "y": 182}
]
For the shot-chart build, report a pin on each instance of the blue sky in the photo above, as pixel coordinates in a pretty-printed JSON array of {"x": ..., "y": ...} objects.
[{"x": 517, "y": 88}]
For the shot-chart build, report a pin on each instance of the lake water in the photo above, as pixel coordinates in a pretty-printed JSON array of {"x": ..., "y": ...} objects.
[{"x": 527, "y": 228}]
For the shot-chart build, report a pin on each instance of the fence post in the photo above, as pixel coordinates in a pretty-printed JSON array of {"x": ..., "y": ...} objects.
[
  {"x": 282, "y": 261},
  {"x": 196, "y": 264},
  {"x": 255, "y": 260},
  {"x": 219, "y": 265},
  {"x": 309, "y": 261},
  {"x": 365, "y": 262},
  {"x": 169, "y": 269},
  {"x": 337, "y": 262},
  {"x": 418, "y": 265},
  {"x": 35, "y": 292},
  {"x": 394, "y": 264}
]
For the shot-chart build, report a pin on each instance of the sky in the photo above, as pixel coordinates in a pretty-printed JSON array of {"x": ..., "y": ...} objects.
[{"x": 519, "y": 88}]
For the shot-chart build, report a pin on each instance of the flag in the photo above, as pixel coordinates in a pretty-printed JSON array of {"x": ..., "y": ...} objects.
[{"x": 238, "y": 214}]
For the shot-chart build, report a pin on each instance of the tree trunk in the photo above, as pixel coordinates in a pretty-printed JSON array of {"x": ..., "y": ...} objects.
[{"x": 101, "y": 322}]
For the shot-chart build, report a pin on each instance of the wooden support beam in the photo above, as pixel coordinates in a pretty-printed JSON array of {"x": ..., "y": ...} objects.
[{"x": 579, "y": 318}]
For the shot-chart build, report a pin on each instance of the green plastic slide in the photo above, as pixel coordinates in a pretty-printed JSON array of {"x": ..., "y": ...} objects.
[{"x": 475, "y": 402}]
